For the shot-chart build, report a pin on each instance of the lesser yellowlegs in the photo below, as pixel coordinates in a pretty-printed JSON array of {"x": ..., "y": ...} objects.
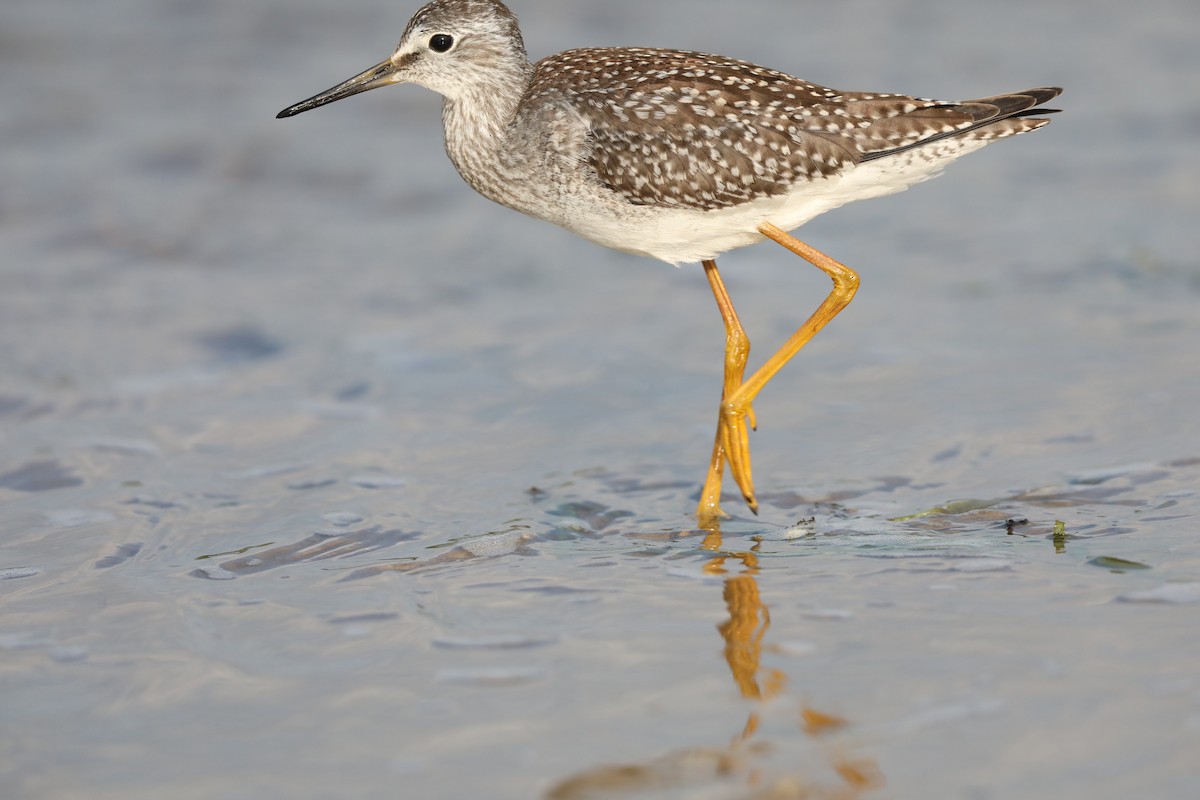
[{"x": 679, "y": 156}]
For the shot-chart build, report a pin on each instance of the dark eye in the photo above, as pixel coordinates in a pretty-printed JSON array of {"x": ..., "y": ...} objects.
[{"x": 441, "y": 42}]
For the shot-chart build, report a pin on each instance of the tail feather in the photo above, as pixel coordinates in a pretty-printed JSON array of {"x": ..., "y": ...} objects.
[
  {"x": 987, "y": 117},
  {"x": 1019, "y": 101}
]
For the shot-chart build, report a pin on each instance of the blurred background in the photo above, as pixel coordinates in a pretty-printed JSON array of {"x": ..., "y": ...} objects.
[{"x": 245, "y": 359}]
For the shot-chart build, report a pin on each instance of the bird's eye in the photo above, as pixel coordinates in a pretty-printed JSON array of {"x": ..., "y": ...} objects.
[{"x": 441, "y": 42}]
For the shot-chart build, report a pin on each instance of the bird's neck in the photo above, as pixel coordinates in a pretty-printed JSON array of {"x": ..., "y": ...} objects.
[{"x": 477, "y": 121}]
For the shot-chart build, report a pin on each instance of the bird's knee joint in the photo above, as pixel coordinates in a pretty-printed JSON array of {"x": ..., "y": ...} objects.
[
  {"x": 737, "y": 348},
  {"x": 847, "y": 281}
]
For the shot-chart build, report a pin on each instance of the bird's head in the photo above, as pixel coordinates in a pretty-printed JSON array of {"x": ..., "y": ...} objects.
[{"x": 454, "y": 47}]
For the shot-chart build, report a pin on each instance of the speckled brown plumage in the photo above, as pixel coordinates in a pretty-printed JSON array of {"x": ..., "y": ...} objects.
[{"x": 692, "y": 130}]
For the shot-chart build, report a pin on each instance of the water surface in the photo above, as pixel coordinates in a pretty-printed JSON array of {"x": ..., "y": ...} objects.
[{"x": 322, "y": 477}]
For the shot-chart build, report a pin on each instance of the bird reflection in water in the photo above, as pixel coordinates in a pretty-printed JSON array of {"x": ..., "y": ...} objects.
[
  {"x": 743, "y": 760},
  {"x": 743, "y": 634}
]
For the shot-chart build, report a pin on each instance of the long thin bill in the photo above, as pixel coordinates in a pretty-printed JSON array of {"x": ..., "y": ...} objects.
[{"x": 379, "y": 75}]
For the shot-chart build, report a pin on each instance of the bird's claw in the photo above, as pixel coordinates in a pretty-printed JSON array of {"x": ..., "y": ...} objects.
[{"x": 736, "y": 420}]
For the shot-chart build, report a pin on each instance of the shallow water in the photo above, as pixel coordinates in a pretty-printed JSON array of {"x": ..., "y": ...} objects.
[{"x": 322, "y": 477}]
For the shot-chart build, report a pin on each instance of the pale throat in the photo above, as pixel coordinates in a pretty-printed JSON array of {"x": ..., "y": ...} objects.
[{"x": 477, "y": 122}]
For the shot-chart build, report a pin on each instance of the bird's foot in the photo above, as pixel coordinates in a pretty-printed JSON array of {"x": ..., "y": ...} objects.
[{"x": 733, "y": 432}]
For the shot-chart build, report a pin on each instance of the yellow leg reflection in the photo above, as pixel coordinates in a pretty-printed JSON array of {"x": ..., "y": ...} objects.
[
  {"x": 746, "y": 759},
  {"x": 743, "y": 634},
  {"x": 747, "y": 625}
]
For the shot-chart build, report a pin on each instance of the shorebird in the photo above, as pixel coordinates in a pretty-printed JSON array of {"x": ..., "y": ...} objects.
[{"x": 679, "y": 156}]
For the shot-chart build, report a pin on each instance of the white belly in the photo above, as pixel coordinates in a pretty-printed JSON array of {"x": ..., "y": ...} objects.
[{"x": 680, "y": 236}]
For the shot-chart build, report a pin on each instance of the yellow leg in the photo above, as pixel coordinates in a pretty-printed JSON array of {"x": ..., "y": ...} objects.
[
  {"x": 737, "y": 352},
  {"x": 733, "y": 438}
]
